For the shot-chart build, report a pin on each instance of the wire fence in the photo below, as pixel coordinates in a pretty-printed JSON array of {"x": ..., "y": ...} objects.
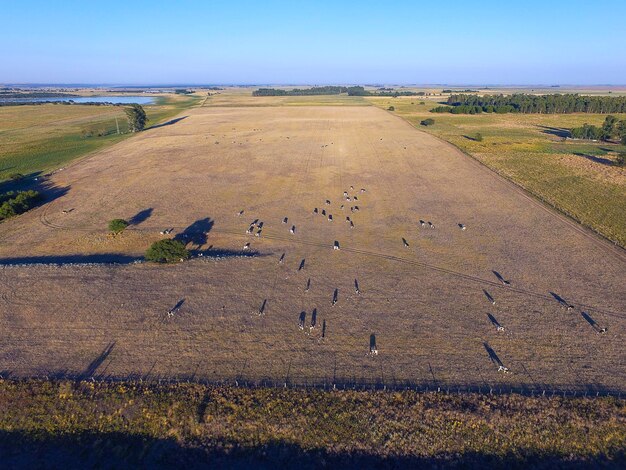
[{"x": 572, "y": 390}]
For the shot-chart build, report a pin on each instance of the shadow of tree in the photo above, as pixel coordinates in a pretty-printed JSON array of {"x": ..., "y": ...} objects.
[
  {"x": 196, "y": 233},
  {"x": 141, "y": 216}
]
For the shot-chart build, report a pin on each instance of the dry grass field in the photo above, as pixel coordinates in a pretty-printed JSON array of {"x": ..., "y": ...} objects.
[
  {"x": 428, "y": 305},
  {"x": 578, "y": 177}
]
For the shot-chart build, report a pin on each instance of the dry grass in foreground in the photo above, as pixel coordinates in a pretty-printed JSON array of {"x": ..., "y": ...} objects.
[{"x": 86, "y": 424}]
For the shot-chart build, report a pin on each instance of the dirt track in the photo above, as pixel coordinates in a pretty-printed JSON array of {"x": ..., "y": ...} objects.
[{"x": 425, "y": 303}]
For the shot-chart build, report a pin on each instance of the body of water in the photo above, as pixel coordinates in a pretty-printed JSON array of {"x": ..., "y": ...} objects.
[{"x": 86, "y": 99}]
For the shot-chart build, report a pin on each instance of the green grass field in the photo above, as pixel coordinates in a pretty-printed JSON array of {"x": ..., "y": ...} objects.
[
  {"x": 577, "y": 177},
  {"x": 192, "y": 424},
  {"x": 41, "y": 138}
]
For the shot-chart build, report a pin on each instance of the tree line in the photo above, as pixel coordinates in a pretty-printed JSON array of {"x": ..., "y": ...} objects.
[
  {"x": 334, "y": 90},
  {"x": 533, "y": 104}
]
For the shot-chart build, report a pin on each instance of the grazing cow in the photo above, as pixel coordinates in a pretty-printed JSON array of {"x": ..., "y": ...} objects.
[
  {"x": 503, "y": 369},
  {"x": 356, "y": 208},
  {"x": 292, "y": 230},
  {"x": 345, "y": 194},
  {"x": 240, "y": 213},
  {"x": 260, "y": 225},
  {"x": 431, "y": 225},
  {"x": 499, "y": 328},
  {"x": 285, "y": 220},
  {"x": 351, "y": 224},
  {"x": 250, "y": 229},
  {"x": 422, "y": 223},
  {"x": 341, "y": 207},
  {"x": 246, "y": 246},
  {"x": 362, "y": 190},
  {"x": 301, "y": 320},
  {"x": 356, "y": 287},
  {"x": 330, "y": 217},
  {"x": 355, "y": 198},
  {"x": 327, "y": 202},
  {"x": 351, "y": 187},
  {"x": 315, "y": 211},
  {"x": 258, "y": 233},
  {"x": 323, "y": 211},
  {"x": 308, "y": 285},
  {"x": 462, "y": 227},
  {"x": 348, "y": 199},
  {"x": 406, "y": 244},
  {"x": 282, "y": 259},
  {"x": 335, "y": 297},
  {"x": 336, "y": 245},
  {"x": 351, "y": 209},
  {"x": 262, "y": 307},
  {"x": 347, "y": 219}
]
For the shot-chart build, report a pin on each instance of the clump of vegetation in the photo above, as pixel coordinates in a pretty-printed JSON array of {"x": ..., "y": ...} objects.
[
  {"x": 118, "y": 226},
  {"x": 478, "y": 137},
  {"x": 16, "y": 176},
  {"x": 391, "y": 108},
  {"x": 612, "y": 128},
  {"x": 621, "y": 159},
  {"x": 136, "y": 118},
  {"x": 14, "y": 203},
  {"x": 167, "y": 251},
  {"x": 427, "y": 122}
]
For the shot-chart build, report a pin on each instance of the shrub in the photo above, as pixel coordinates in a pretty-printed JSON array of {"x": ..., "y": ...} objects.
[
  {"x": 427, "y": 122},
  {"x": 16, "y": 176},
  {"x": 167, "y": 251},
  {"x": 621, "y": 159},
  {"x": 391, "y": 108},
  {"x": 478, "y": 137},
  {"x": 14, "y": 203},
  {"x": 118, "y": 225}
]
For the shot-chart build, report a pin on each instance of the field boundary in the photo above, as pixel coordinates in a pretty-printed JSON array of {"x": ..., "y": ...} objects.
[
  {"x": 563, "y": 215},
  {"x": 575, "y": 390}
]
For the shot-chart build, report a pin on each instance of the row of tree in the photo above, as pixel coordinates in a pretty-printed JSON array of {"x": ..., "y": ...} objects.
[
  {"x": 334, "y": 90},
  {"x": 320, "y": 90},
  {"x": 527, "y": 104},
  {"x": 612, "y": 128}
]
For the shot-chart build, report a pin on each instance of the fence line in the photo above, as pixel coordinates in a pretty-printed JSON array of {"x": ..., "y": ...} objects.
[{"x": 343, "y": 385}]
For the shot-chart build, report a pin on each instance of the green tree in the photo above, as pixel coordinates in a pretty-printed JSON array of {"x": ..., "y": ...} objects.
[
  {"x": 478, "y": 137},
  {"x": 136, "y": 118},
  {"x": 118, "y": 225},
  {"x": 427, "y": 122},
  {"x": 167, "y": 251},
  {"x": 391, "y": 108},
  {"x": 608, "y": 128}
]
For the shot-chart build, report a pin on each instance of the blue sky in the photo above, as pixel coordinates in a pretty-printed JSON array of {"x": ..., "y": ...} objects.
[{"x": 313, "y": 42}]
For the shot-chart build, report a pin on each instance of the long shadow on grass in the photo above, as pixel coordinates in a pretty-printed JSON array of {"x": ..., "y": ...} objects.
[
  {"x": 103, "y": 258},
  {"x": 141, "y": 216},
  {"x": 168, "y": 123},
  {"x": 80, "y": 450},
  {"x": 116, "y": 258},
  {"x": 556, "y": 131},
  {"x": 593, "y": 158},
  {"x": 197, "y": 232}
]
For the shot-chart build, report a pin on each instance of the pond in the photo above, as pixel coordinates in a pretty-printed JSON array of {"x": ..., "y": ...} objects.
[{"x": 85, "y": 99}]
